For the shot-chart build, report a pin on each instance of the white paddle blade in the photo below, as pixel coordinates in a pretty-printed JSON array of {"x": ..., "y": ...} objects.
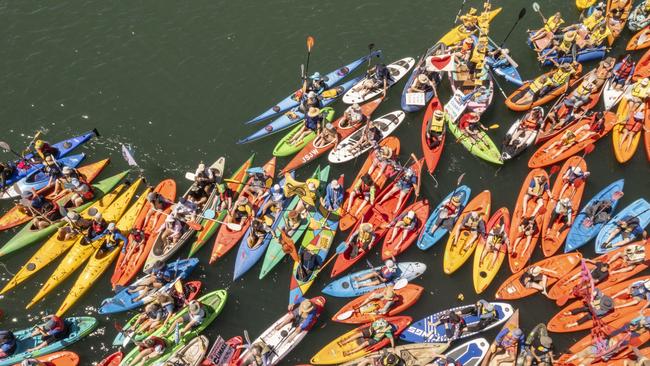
[
  {"x": 189, "y": 176},
  {"x": 401, "y": 283},
  {"x": 233, "y": 226},
  {"x": 536, "y": 6},
  {"x": 345, "y": 315}
]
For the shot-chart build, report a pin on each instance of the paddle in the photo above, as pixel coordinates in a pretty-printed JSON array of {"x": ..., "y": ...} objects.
[
  {"x": 494, "y": 78},
  {"x": 371, "y": 46},
  {"x": 190, "y": 176},
  {"x": 588, "y": 222},
  {"x": 310, "y": 44},
  {"x": 462, "y": 6},
  {"x": 7, "y": 148},
  {"x": 522, "y": 13},
  {"x": 537, "y": 9}
]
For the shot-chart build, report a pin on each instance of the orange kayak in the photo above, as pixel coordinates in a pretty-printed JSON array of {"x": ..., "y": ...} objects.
[
  {"x": 616, "y": 19},
  {"x": 559, "y": 322},
  {"x": 640, "y": 40},
  {"x": 565, "y": 285},
  {"x": 432, "y": 155},
  {"x": 398, "y": 246},
  {"x": 407, "y": 297},
  {"x": 554, "y": 233},
  {"x": 512, "y": 288},
  {"x": 541, "y": 158},
  {"x": 642, "y": 69},
  {"x": 518, "y": 258},
  {"x": 113, "y": 359},
  {"x": 61, "y": 358},
  {"x": 513, "y": 101},
  {"x": 349, "y": 219},
  {"x": 484, "y": 273}
]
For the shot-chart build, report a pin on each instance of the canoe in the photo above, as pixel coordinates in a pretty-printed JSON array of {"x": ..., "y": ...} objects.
[
  {"x": 436, "y": 50},
  {"x": 14, "y": 216},
  {"x": 584, "y": 4},
  {"x": 432, "y": 155},
  {"x": 416, "y": 354},
  {"x": 331, "y": 79},
  {"x": 512, "y": 100},
  {"x": 284, "y": 148},
  {"x": 559, "y": 321},
  {"x": 191, "y": 354},
  {"x": 346, "y": 286},
  {"x": 130, "y": 263},
  {"x": 160, "y": 251},
  {"x": 639, "y": 209},
  {"x": 78, "y": 328},
  {"x": 427, "y": 239},
  {"x": 210, "y": 227},
  {"x": 565, "y": 285},
  {"x": 624, "y": 153},
  {"x": 484, "y": 148},
  {"x": 113, "y": 359},
  {"x": 397, "y": 69},
  {"x": 458, "y": 33},
  {"x": 616, "y": 24},
  {"x": 124, "y": 301},
  {"x": 612, "y": 96},
  {"x": 519, "y": 258},
  {"x": 541, "y": 158},
  {"x": 61, "y": 358},
  {"x": 640, "y": 40},
  {"x": 349, "y": 219},
  {"x": 470, "y": 353},
  {"x": 224, "y": 353},
  {"x": 80, "y": 251},
  {"x": 386, "y": 123},
  {"x": 226, "y": 238},
  {"x": 424, "y": 331},
  {"x": 580, "y": 233},
  {"x": 507, "y": 70},
  {"x": 29, "y": 234},
  {"x": 562, "y": 264},
  {"x": 511, "y": 324},
  {"x": 398, "y": 246},
  {"x": 509, "y": 147},
  {"x": 455, "y": 256},
  {"x": 276, "y": 338},
  {"x": 333, "y": 352},
  {"x": 483, "y": 273},
  {"x": 406, "y": 297},
  {"x": 637, "y": 18}
]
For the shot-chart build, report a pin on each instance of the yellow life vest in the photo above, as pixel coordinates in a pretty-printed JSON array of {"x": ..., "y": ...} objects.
[
  {"x": 568, "y": 139},
  {"x": 538, "y": 189},
  {"x": 537, "y": 85},
  {"x": 472, "y": 222},
  {"x": 582, "y": 90},
  {"x": 364, "y": 237},
  {"x": 639, "y": 91},
  {"x": 553, "y": 23},
  {"x": 437, "y": 125},
  {"x": 599, "y": 36},
  {"x": 592, "y": 21},
  {"x": 560, "y": 77}
]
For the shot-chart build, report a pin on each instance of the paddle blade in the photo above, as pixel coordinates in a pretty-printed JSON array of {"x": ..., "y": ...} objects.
[
  {"x": 194, "y": 225},
  {"x": 189, "y": 176},
  {"x": 5, "y": 146},
  {"x": 246, "y": 337},
  {"x": 234, "y": 227},
  {"x": 310, "y": 43},
  {"x": 178, "y": 286},
  {"x": 127, "y": 154},
  {"x": 209, "y": 214},
  {"x": 345, "y": 316},
  {"x": 589, "y": 149},
  {"x": 522, "y": 13},
  {"x": 371, "y": 46},
  {"x": 617, "y": 195},
  {"x": 494, "y": 126},
  {"x": 554, "y": 169},
  {"x": 460, "y": 179},
  {"x": 289, "y": 246},
  {"x": 536, "y": 6},
  {"x": 401, "y": 283}
]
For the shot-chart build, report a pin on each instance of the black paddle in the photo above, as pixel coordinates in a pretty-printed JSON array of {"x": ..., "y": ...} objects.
[{"x": 522, "y": 13}]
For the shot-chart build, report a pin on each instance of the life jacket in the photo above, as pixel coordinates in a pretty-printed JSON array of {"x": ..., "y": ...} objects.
[
  {"x": 59, "y": 325},
  {"x": 158, "y": 342},
  {"x": 625, "y": 70},
  {"x": 592, "y": 21},
  {"x": 565, "y": 45},
  {"x": 568, "y": 139},
  {"x": 472, "y": 222},
  {"x": 451, "y": 208},
  {"x": 537, "y": 85},
  {"x": 363, "y": 187},
  {"x": 407, "y": 220},
  {"x": 437, "y": 125},
  {"x": 98, "y": 227},
  {"x": 553, "y": 23},
  {"x": 582, "y": 90},
  {"x": 529, "y": 123},
  {"x": 599, "y": 35},
  {"x": 538, "y": 189},
  {"x": 497, "y": 238},
  {"x": 364, "y": 237},
  {"x": 560, "y": 77},
  {"x": 639, "y": 91}
]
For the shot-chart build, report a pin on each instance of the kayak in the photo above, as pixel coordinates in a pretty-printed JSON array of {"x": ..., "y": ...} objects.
[
  {"x": 397, "y": 69},
  {"x": 511, "y": 324},
  {"x": 475, "y": 102},
  {"x": 513, "y": 103},
  {"x": 545, "y": 157},
  {"x": 456, "y": 251},
  {"x": 210, "y": 227},
  {"x": 639, "y": 209},
  {"x": 583, "y": 5},
  {"x": 29, "y": 234},
  {"x": 334, "y": 353},
  {"x": 560, "y": 321},
  {"x": 624, "y": 153},
  {"x": 124, "y": 300},
  {"x": 584, "y": 55},
  {"x": 285, "y": 148},
  {"x": 162, "y": 251},
  {"x": 398, "y": 245},
  {"x": 638, "y": 19},
  {"x": 640, "y": 40},
  {"x": 459, "y": 33},
  {"x": 505, "y": 68},
  {"x": 518, "y": 258},
  {"x": 470, "y": 353},
  {"x": 14, "y": 216},
  {"x": 437, "y": 51},
  {"x": 432, "y": 154},
  {"x": 366, "y": 313},
  {"x": 131, "y": 261},
  {"x": 584, "y": 230},
  {"x": 565, "y": 285},
  {"x": 417, "y": 354},
  {"x": 511, "y": 148},
  {"x": 113, "y": 359},
  {"x": 226, "y": 238},
  {"x": 224, "y": 353},
  {"x": 191, "y": 354},
  {"x": 312, "y": 151},
  {"x": 81, "y": 250},
  {"x": 276, "y": 339},
  {"x": 615, "y": 20},
  {"x": 61, "y": 358},
  {"x": 330, "y": 79},
  {"x": 347, "y": 286},
  {"x": 611, "y": 95},
  {"x": 425, "y": 330},
  {"x": 562, "y": 264},
  {"x": 295, "y": 115},
  {"x": 642, "y": 69},
  {"x": 554, "y": 233},
  {"x": 78, "y": 328},
  {"x": 344, "y": 151},
  {"x": 350, "y": 217},
  {"x": 483, "y": 148},
  {"x": 484, "y": 273},
  {"x": 427, "y": 239}
]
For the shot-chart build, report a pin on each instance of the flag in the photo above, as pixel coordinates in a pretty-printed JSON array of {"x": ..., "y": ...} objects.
[
  {"x": 127, "y": 154},
  {"x": 440, "y": 63}
]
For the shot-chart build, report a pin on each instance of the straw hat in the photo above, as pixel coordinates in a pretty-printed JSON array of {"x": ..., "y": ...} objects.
[
  {"x": 313, "y": 112},
  {"x": 423, "y": 78},
  {"x": 306, "y": 306}
]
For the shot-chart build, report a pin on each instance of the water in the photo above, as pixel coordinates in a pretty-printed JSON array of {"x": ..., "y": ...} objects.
[{"x": 176, "y": 79}]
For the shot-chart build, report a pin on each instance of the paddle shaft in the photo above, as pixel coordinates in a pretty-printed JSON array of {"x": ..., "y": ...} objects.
[{"x": 522, "y": 13}]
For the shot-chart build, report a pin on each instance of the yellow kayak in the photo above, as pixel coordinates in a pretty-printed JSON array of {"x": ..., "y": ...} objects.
[
  {"x": 99, "y": 261},
  {"x": 80, "y": 250},
  {"x": 624, "y": 117},
  {"x": 584, "y": 4},
  {"x": 459, "y": 33}
]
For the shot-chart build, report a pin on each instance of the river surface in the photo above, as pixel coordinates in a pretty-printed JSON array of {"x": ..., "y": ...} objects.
[{"x": 176, "y": 80}]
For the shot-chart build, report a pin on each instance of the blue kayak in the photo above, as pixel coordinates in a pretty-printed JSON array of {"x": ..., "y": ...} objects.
[
  {"x": 639, "y": 208},
  {"x": 505, "y": 67},
  {"x": 427, "y": 331},
  {"x": 295, "y": 116},
  {"x": 123, "y": 300},
  {"x": 470, "y": 353},
  {"x": 428, "y": 239},
  {"x": 347, "y": 286},
  {"x": 330, "y": 79},
  {"x": 417, "y": 70},
  {"x": 579, "y": 234}
]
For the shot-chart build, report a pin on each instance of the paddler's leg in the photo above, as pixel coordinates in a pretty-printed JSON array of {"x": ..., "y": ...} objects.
[
  {"x": 540, "y": 204},
  {"x": 400, "y": 198},
  {"x": 361, "y": 206},
  {"x": 468, "y": 244}
]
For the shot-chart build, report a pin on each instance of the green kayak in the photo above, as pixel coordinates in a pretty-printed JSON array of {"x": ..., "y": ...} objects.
[
  {"x": 214, "y": 303},
  {"x": 30, "y": 235},
  {"x": 484, "y": 148},
  {"x": 284, "y": 148}
]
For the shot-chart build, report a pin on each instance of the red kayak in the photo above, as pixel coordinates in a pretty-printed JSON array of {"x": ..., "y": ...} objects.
[
  {"x": 112, "y": 360},
  {"x": 407, "y": 297},
  {"x": 432, "y": 155},
  {"x": 398, "y": 246}
]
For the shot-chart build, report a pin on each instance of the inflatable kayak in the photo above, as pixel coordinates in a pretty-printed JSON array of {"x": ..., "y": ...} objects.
[
  {"x": 642, "y": 69},
  {"x": 584, "y": 55},
  {"x": 640, "y": 40},
  {"x": 416, "y": 354},
  {"x": 432, "y": 154},
  {"x": 366, "y": 313},
  {"x": 470, "y": 353},
  {"x": 347, "y": 286},
  {"x": 459, "y": 33},
  {"x": 397, "y": 69},
  {"x": 483, "y": 147},
  {"x": 437, "y": 52},
  {"x": 397, "y": 246},
  {"x": 514, "y": 100},
  {"x": 286, "y": 148},
  {"x": 510, "y": 147},
  {"x": 191, "y": 354},
  {"x": 483, "y": 273},
  {"x": 639, "y": 209}
]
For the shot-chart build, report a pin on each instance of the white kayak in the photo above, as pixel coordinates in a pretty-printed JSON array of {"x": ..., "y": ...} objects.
[
  {"x": 191, "y": 354},
  {"x": 611, "y": 95},
  {"x": 398, "y": 70},
  {"x": 509, "y": 149}
]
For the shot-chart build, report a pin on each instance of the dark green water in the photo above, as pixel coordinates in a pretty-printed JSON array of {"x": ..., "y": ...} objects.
[{"x": 176, "y": 80}]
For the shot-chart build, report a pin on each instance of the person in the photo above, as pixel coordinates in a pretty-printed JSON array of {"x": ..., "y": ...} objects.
[
  {"x": 567, "y": 140},
  {"x": 469, "y": 21},
  {"x": 474, "y": 224},
  {"x": 44, "y": 211},
  {"x": 313, "y": 125},
  {"x": 311, "y": 100},
  {"x": 379, "y": 302},
  {"x": 292, "y": 223},
  {"x": 370, "y": 137},
  {"x": 171, "y": 230},
  {"x": 112, "y": 239},
  {"x": 34, "y": 362},
  {"x": 275, "y": 201},
  {"x": 241, "y": 211},
  {"x": 352, "y": 116},
  {"x": 65, "y": 179},
  {"x": 636, "y": 292},
  {"x": 582, "y": 94},
  {"x": 403, "y": 186},
  {"x": 630, "y": 257},
  {"x": 496, "y": 239},
  {"x": 629, "y": 228},
  {"x": 97, "y": 228},
  {"x": 453, "y": 322},
  {"x": 448, "y": 213},
  {"x": 225, "y": 197},
  {"x": 7, "y": 343},
  {"x": 601, "y": 305},
  {"x": 623, "y": 72},
  {"x": 191, "y": 319},
  {"x": 505, "y": 347},
  {"x": 436, "y": 128},
  {"x": 260, "y": 228},
  {"x": 258, "y": 184},
  {"x": 376, "y": 332},
  {"x": 152, "y": 318},
  {"x": 562, "y": 214},
  {"x": 619, "y": 11},
  {"x": 560, "y": 76},
  {"x": 316, "y": 83},
  {"x": 361, "y": 240},
  {"x": 328, "y": 136},
  {"x": 529, "y": 124},
  {"x": 309, "y": 262},
  {"x": 422, "y": 84},
  {"x": 538, "y": 349},
  {"x": 562, "y": 48},
  {"x": 640, "y": 358},
  {"x": 364, "y": 189},
  {"x": 536, "y": 277},
  {"x": 638, "y": 95},
  {"x": 148, "y": 350},
  {"x": 157, "y": 278},
  {"x": 599, "y": 273},
  {"x": 486, "y": 313},
  {"x": 551, "y": 26},
  {"x": 388, "y": 273},
  {"x": 159, "y": 204},
  {"x": 470, "y": 124},
  {"x": 535, "y": 90},
  {"x": 381, "y": 77},
  {"x": 598, "y": 212},
  {"x": 205, "y": 178},
  {"x": 382, "y": 158},
  {"x": 188, "y": 206},
  {"x": 600, "y": 348},
  {"x": 385, "y": 358},
  {"x": 43, "y": 149},
  {"x": 572, "y": 178},
  {"x": 52, "y": 330},
  {"x": 407, "y": 223},
  {"x": 333, "y": 196},
  {"x": 302, "y": 316},
  {"x": 74, "y": 225},
  {"x": 631, "y": 127},
  {"x": 595, "y": 126},
  {"x": 527, "y": 229},
  {"x": 598, "y": 36},
  {"x": 6, "y": 171},
  {"x": 462, "y": 53}
]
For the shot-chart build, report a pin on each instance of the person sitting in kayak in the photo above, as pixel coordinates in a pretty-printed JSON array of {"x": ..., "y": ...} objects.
[
  {"x": 311, "y": 100},
  {"x": 581, "y": 95},
  {"x": 539, "y": 351},
  {"x": 376, "y": 332},
  {"x": 43, "y": 149},
  {"x": 275, "y": 200},
  {"x": 617, "y": 14},
  {"x": 302, "y": 316},
  {"x": 599, "y": 273},
  {"x": 474, "y": 224},
  {"x": 74, "y": 225},
  {"x": 379, "y": 302},
  {"x": 530, "y": 124},
  {"x": 361, "y": 240},
  {"x": 637, "y": 96},
  {"x": 598, "y": 36},
  {"x": 407, "y": 182},
  {"x": 53, "y": 329},
  {"x": 527, "y": 229},
  {"x": 370, "y": 137},
  {"x": 363, "y": 189},
  {"x": 629, "y": 227},
  {"x": 637, "y": 292},
  {"x": 157, "y": 278},
  {"x": 151, "y": 319},
  {"x": 598, "y": 212},
  {"x": 470, "y": 124},
  {"x": 205, "y": 178},
  {"x": 6, "y": 171},
  {"x": 461, "y": 54},
  {"x": 623, "y": 72},
  {"x": 352, "y": 116},
  {"x": 469, "y": 21},
  {"x": 171, "y": 231},
  {"x": 225, "y": 197},
  {"x": 572, "y": 178},
  {"x": 385, "y": 358},
  {"x": 259, "y": 183},
  {"x": 423, "y": 84},
  {"x": 505, "y": 347},
  {"x": 313, "y": 124},
  {"x": 448, "y": 213},
  {"x": 388, "y": 273},
  {"x": 560, "y": 77},
  {"x": 381, "y": 78},
  {"x": 195, "y": 199},
  {"x": 258, "y": 355},
  {"x": 562, "y": 213},
  {"x": 632, "y": 256},
  {"x": 148, "y": 350},
  {"x": 535, "y": 90},
  {"x": 496, "y": 239},
  {"x": 186, "y": 208},
  {"x": 159, "y": 203},
  {"x": 333, "y": 199},
  {"x": 260, "y": 228},
  {"x": 631, "y": 127},
  {"x": 599, "y": 349},
  {"x": 82, "y": 192},
  {"x": 7, "y": 343},
  {"x": 436, "y": 128},
  {"x": 407, "y": 223},
  {"x": 112, "y": 239},
  {"x": 383, "y": 157},
  {"x": 328, "y": 136},
  {"x": 562, "y": 48},
  {"x": 97, "y": 228},
  {"x": 309, "y": 262},
  {"x": 551, "y": 26},
  {"x": 315, "y": 83},
  {"x": 241, "y": 211},
  {"x": 191, "y": 319},
  {"x": 453, "y": 322},
  {"x": 45, "y": 212},
  {"x": 536, "y": 277},
  {"x": 601, "y": 305},
  {"x": 292, "y": 223},
  {"x": 65, "y": 179}
]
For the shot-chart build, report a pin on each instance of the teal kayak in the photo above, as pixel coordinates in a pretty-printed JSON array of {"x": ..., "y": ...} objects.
[{"x": 284, "y": 148}]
